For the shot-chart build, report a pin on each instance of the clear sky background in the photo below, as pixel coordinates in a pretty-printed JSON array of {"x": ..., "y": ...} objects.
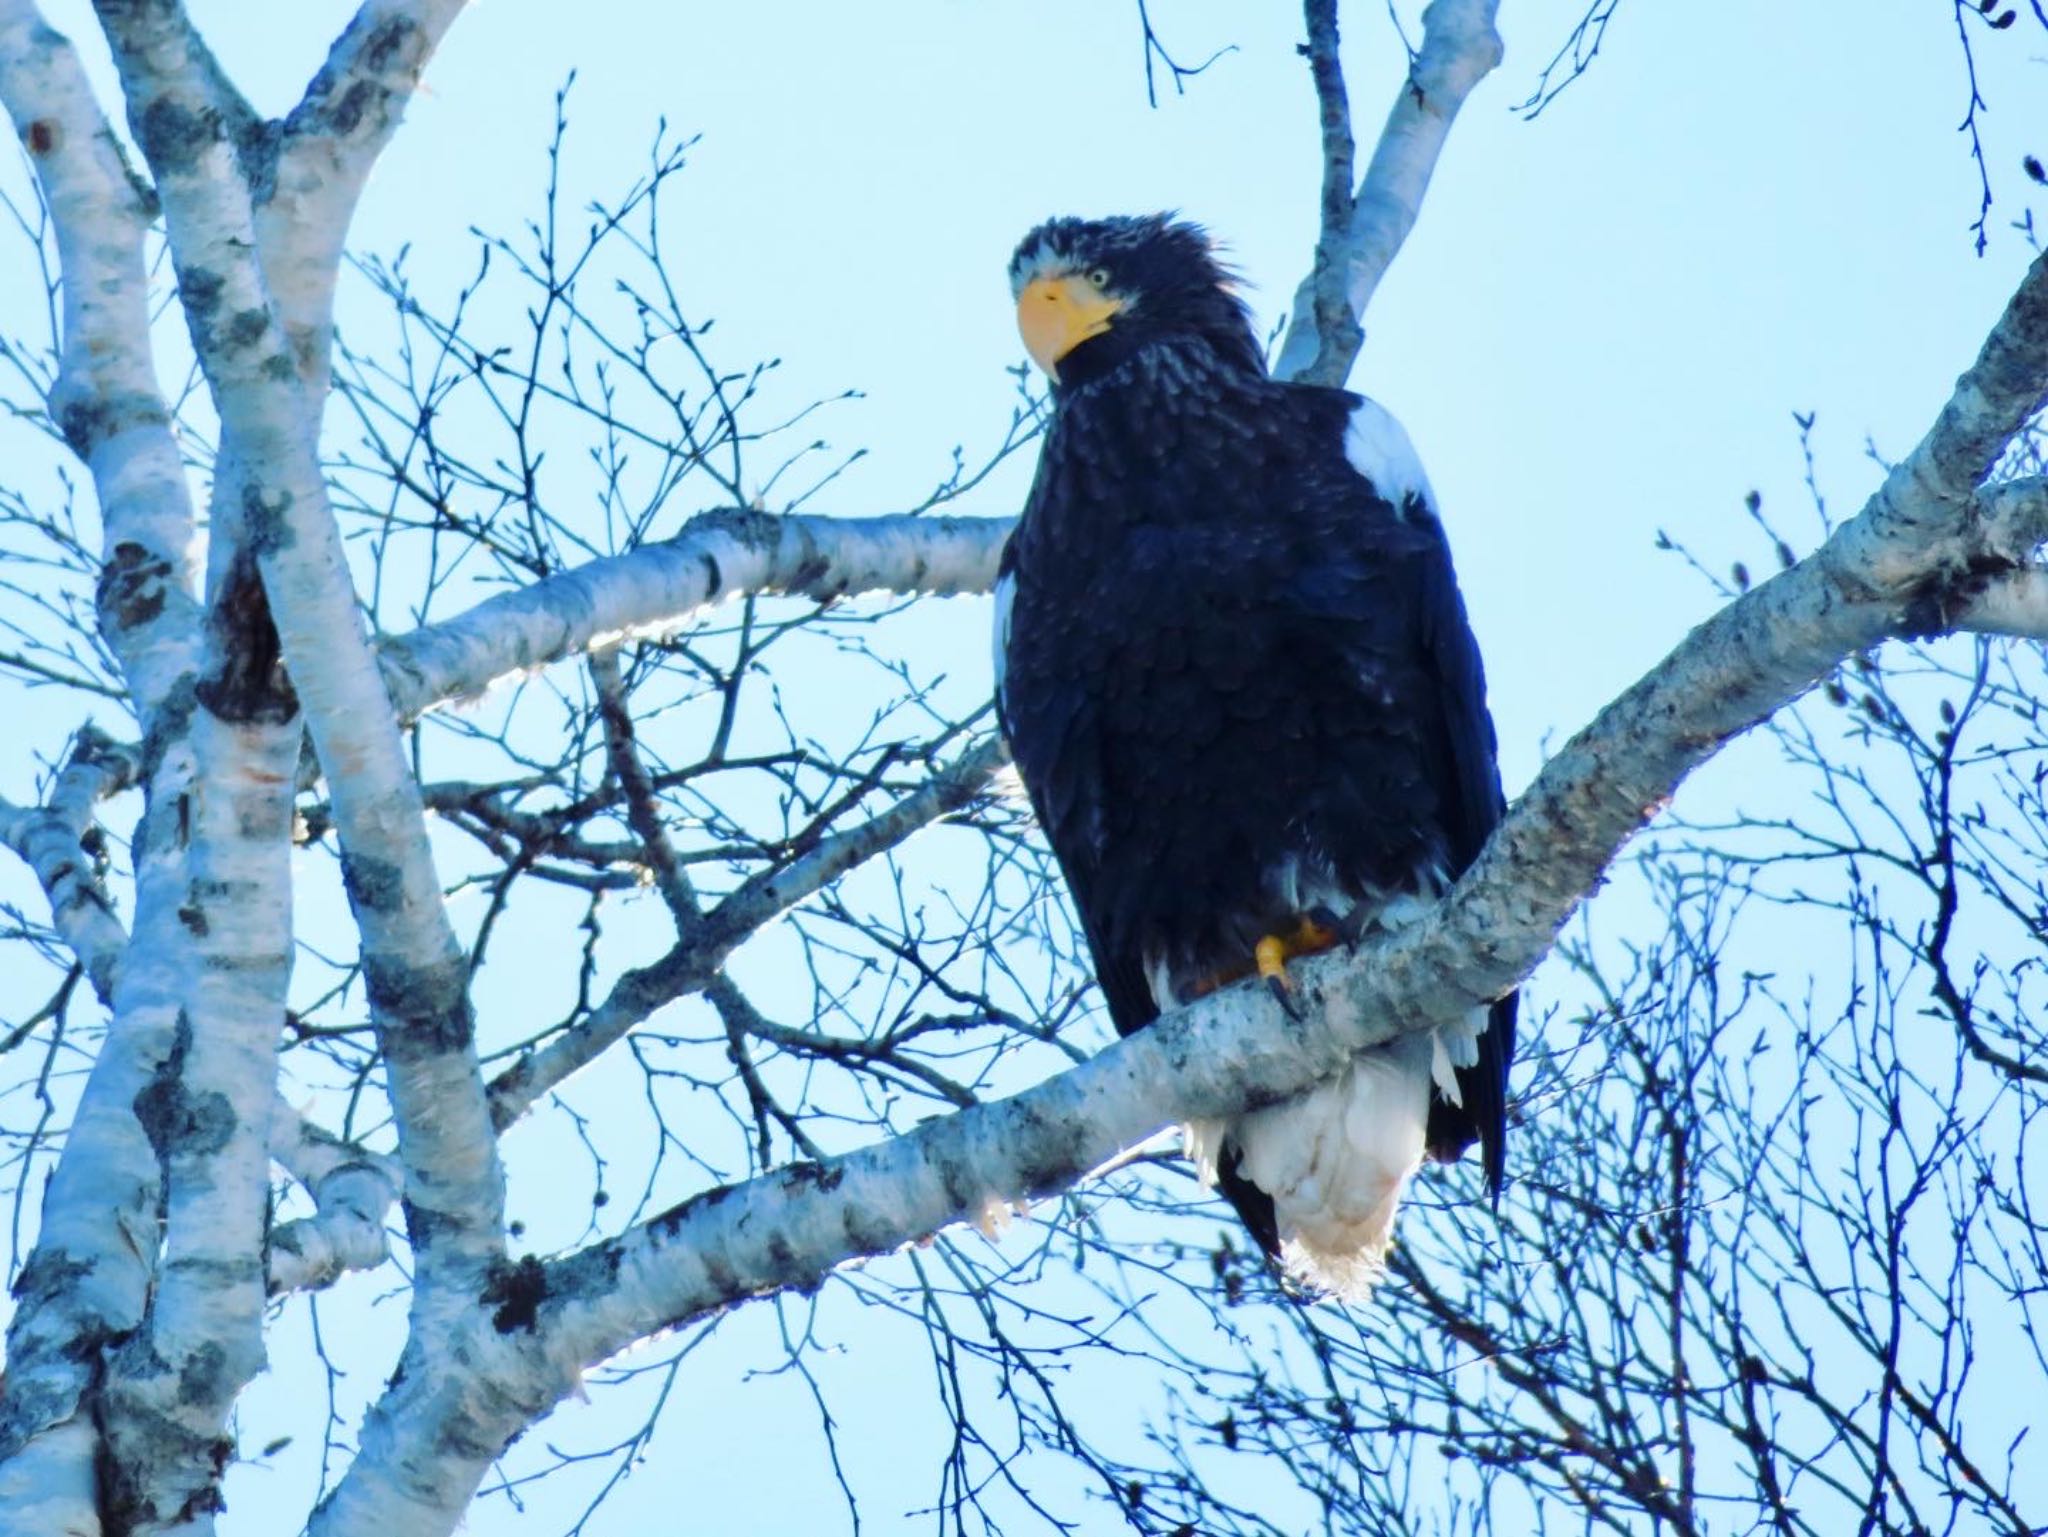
[{"x": 1602, "y": 326}]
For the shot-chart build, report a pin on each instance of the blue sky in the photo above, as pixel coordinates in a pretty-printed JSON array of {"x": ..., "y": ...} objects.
[{"x": 1601, "y": 327}]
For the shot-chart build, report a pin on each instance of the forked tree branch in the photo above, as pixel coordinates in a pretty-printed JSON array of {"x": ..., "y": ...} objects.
[
  {"x": 1360, "y": 234},
  {"x": 272, "y": 493}
]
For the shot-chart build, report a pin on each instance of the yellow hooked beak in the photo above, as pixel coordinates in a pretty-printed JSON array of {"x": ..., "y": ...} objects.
[{"x": 1056, "y": 315}]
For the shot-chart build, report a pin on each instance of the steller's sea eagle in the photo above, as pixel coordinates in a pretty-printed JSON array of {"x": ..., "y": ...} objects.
[{"x": 1239, "y": 685}]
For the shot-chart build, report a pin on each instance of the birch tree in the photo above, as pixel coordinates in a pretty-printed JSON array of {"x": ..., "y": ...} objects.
[{"x": 328, "y": 784}]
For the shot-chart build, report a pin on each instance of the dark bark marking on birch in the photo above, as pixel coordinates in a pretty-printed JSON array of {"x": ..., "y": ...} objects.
[
  {"x": 199, "y": 1377},
  {"x": 147, "y": 1435},
  {"x": 373, "y": 885},
  {"x": 245, "y": 682},
  {"x": 346, "y": 115},
  {"x": 49, "y": 1273},
  {"x": 822, "y": 1176},
  {"x": 430, "y": 1004},
  {"x": 424, "y": 1224},
  {"x": 173, "y": 136},
  {"x": 88, "y": 421},
  {"x": 132, "y": 582},
  {"x": 592, "y": 1273},
  {"x": 1930, "y": 610},
  {"x": 518, "y": 1290},
  {"x": 174, "y": 1120},
  {"x": 245, "y": 328},
  {"x": 266, "y": 519},
  {"x": 670, "y": 1222},
  {"x": 199, "y": 290},
  {"x": 36, "y": 1402},
  {"x": 381, "y": 54}
]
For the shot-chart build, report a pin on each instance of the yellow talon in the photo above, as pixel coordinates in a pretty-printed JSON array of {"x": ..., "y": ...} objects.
[
  {"x": 1271, "y": 955},
  {"x": 1271, "y": 959}
]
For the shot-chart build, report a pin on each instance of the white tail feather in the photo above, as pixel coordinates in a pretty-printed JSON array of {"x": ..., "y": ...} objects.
[{"x": 1336, "y": 1159}]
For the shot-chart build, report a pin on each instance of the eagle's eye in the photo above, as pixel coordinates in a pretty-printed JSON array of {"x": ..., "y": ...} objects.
[{"x": 1099, "y": 276}]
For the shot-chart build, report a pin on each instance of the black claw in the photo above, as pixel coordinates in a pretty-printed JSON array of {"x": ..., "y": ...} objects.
[{"x": 1284, "y": 996}]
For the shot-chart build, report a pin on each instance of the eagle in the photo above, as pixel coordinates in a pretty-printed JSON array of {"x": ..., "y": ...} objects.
[{"x": 1238, "y": 683}]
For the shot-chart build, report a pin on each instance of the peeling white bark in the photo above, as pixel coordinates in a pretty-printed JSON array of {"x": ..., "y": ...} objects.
[{"x": 659, "y": 587}]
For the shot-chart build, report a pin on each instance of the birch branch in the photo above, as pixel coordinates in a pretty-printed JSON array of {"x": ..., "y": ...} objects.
[
  {"x": 48, "y": 840},
  {"x": 1926, "y": 534},
  {"x": 2014, "y": 604},
  {"x": 659, "y": 587},
  {"x": 698, "y": 954},
  {"x": 1360, "y": 235},
  {"x": 354, "y": 1191},
  {"x": 327, "y": 148}
]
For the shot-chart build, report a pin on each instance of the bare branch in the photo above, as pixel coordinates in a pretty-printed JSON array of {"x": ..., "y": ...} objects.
[
  {"x": 49, "y": 840},
  {"x": 700, "y": 953},
  {"x": 659, "y": 587}
]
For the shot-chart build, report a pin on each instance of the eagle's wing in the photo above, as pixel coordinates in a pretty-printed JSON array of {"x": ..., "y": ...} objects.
[
  {"x": 1475, "y": 805},
  {"x": 1066, "y": 793},
  {"x": 1458, "y": 736}
]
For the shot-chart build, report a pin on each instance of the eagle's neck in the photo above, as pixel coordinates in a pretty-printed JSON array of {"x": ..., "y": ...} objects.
[{"x": 1218, "y": 340}]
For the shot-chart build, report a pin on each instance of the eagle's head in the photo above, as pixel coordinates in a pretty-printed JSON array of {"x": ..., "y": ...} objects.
[{"x": 1093, "y": 292}]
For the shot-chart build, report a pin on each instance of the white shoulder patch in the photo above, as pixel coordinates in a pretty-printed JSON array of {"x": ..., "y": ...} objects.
[
  {"x": 1380, "y": 451},
  {"x": 1006, "y": 595}
]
